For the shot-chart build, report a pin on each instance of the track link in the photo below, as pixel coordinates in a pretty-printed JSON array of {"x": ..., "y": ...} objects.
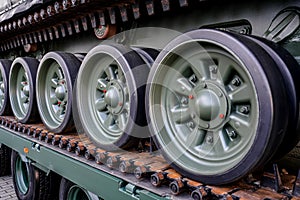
[{"x": 153, "y": 167}]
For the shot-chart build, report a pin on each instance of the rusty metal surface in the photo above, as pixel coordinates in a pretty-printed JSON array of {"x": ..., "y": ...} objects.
[{"x": 151, "y": 171}]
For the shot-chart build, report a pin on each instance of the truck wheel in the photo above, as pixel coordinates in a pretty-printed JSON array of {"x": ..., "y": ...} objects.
[
  {"x": 5, "y": 108},
  {"x": 31, "y": 183},
  {"x": 5, "y": 155},
  {"x": 26, "y": 178},
  {"x": 216, "y": 105},
  {"x": 71, "y": 191},
  {"x": 22, "y": 83},
  {"x": 110, "y": 96},
  {"x": 55, "y": 79}
]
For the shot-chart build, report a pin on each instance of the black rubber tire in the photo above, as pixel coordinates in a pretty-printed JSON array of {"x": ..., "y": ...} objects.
[
  {"x": 135, "y": 67},
  {"x": 147, "y": 54},
  {"x": 5, "y": 156},
  {"x": 290, "y": 71},
  {"x": 272, "y": 121},
  {"x": 70, "y": 66},
  {"x": 49, "y": 185},
  {"x": 30, "y": 65},
  {"x": 5, "y": 68}
]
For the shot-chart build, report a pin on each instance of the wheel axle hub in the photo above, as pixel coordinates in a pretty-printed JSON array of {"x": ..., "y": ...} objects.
[
  {"x": 210, "y": 105},
  {"x": 60, "y": 92}
]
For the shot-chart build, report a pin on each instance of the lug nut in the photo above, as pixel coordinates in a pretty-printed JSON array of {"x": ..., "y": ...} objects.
[
  {"x": 236, "y": 82},
  {"x": 193, "y": 115},
  {"x": 209, "y": 139},
  {"x": 213, "y": 69},
  {"x": 245, "y": 110},
  {"x": 232, "y": 134},
  {"x": 191, "y": 124},
  {"x": 184, "y": 100}
]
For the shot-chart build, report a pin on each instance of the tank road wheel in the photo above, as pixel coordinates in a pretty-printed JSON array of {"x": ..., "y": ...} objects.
[
  {"x": 55, "y": 79},
  {"x": 31, "y": 183},
  {"x": 5, "y": 108},
  {"x": 216, "y": 105},
  {"x": 22, "y": 89},
  {"x": 110, "y": 95},
  {"x": 71, "y": 191}
]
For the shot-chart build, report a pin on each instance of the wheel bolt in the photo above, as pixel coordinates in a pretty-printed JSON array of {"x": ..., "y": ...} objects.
[
  {"x": 213, "y": 69},
  {"x": 209, "y": 139},
  {"x": 206, "y": 125},
  {"x": 236, "y": 82},
  {"x": 232, "y": 134},
  {"x": 193, "y": 115},
  {"x": 184, "y": 100},
  {"x": 191, "y": 124},
  {"x": 245, "y": 110}
]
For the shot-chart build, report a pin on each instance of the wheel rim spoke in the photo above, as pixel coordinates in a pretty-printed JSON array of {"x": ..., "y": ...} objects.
[
  {"x": 240, "y": 94},
  {"x": 122, "y": 121},
  {"x": 110, "y": 72},
  {"x": 102, "y": 84},
  {"x": 100, "y": 105},
  {"x": 181, "y": 87},
  {"x": 223, "y": 138},
  {"x": 109, "y": 121},
  {"x": 180, "y": 115},
  {"x": 54, "y": 83},
  {"x": 196, "y": 138},
  {"x": 240, "y": 125},
  {"x": 224, "y": 70}
]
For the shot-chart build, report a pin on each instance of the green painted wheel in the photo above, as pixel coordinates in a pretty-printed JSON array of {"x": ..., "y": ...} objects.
[
  {"x": 21, "y": 87},
  {"x": 109, "y": 96},
  {"x": 77, "y": 192},
  {"x": 55, "y": 78},
  {"x": 206, "y": 108},
  {"x": 5, "y": 108},
  {"x": 22, "y": 175},
  {"x": 70, "y": 191}
]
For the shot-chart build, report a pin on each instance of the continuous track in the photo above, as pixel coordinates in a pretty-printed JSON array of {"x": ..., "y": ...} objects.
[
  {"x": 143, "y": 167},
  {"x": 59, "y": 19}
]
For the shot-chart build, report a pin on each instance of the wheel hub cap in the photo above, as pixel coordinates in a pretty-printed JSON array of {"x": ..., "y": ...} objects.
[
  {"x": 210, "y": 105},
  {"x": 60, "y": 92},
  {"x": 26, "y": 90},
  {"x": 114, "y": 97},
  {"x": 207, "y": 105}
]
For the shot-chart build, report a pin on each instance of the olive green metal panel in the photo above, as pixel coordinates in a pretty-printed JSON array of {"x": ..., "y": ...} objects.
[{"x": 100, "y": 183}]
